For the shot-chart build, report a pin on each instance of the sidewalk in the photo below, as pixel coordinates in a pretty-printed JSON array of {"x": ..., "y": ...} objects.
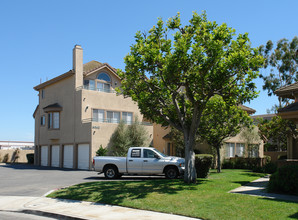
[
  {"x": 258, "y": 188},
  {"x": 70, "y": 209}
]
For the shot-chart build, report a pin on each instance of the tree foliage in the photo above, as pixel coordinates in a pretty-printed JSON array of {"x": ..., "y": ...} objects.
[
  {"x": 172, "y": 77},
  {"x": 126, "y": 136},
  {"x": 283, "y": 60},
  {"x": 274, "y": 132},
  {"x": 221, "y": 121}
]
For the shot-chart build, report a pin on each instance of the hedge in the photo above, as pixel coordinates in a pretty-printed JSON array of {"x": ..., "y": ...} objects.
[
  {"x": 203, "y": 164},
  {"x": 285, "y": 180}
]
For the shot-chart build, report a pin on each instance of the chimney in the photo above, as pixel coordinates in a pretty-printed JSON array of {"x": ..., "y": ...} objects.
[{"x": 78, "y": 65}]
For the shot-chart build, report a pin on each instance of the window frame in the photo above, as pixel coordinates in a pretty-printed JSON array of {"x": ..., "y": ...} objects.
[
  {"x": 51, "y": 120},
  {"x": 42, "y": 120}
]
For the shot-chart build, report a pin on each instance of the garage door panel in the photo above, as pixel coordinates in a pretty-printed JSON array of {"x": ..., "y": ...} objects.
[
  {"x": 68, "y": 156},
  {"x": 44, "y": 156},
  {"x": 55, "y": 156},
  {"x": 83, "y": 156}
]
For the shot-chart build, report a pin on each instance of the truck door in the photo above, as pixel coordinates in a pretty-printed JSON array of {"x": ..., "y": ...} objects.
[
  {"x": 151, "y": 164},
  {"x": 134, "y": 161}
]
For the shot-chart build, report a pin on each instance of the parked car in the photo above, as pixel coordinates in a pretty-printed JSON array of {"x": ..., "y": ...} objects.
[{"x": 140, "y": 161}]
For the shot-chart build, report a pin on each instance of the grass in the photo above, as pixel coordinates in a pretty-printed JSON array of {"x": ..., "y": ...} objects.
[{"x": 208, "y": 199}]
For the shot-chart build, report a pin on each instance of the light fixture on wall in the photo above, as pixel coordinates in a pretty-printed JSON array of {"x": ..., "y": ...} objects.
[{"x": 86, "y": 108}]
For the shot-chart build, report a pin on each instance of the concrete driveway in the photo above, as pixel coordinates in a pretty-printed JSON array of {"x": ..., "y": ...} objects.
[{"x": 29, "y": 180}]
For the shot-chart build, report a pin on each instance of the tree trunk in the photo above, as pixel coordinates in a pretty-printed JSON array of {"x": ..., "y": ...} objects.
[
  {"x": 190, "y": 175},
  {"x": 218, "y": 159}
]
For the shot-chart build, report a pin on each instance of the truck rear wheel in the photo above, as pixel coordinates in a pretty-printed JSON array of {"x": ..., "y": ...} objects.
[
  {"x": 171, "y": 172},
  {"x": 111, "y": 172}
]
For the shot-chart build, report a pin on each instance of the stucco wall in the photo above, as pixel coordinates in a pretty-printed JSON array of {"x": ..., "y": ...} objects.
[{"x": 21, "y": 155}]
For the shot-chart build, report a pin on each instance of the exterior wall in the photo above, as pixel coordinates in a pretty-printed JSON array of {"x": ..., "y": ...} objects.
[
  {"x": 161, "y": 144},
  {"x": 275, "y": 154},
  {"x": 76, "y": 125},
  {"x": 158, "y": 141},
  {"x": 21, "y": 155}
]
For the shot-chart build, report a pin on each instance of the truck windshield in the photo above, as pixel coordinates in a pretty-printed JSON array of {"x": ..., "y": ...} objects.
[{"x": 164, "y": 155}]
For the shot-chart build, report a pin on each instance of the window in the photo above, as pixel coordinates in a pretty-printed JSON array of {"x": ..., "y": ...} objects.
[
  {"x": 104, "y": 77},
  {"x": 136, "y": 153},
  {"x": 43, "y": 120},
  {"x": 148, "y": 153},
  {"x": 42, "y": 93},
  {"x": 89, "y": 84},
  {"x": 113, "y": 117},
  {"x": 98, "y": 115},
  {"x": 240, "y": 149},
  {"x": 253, "y": 150},
  {"x": 127, "y": 117},
  {"x": 230, "y": 149},
  {"x": 104, "y": 82},
  {"x": 54, "y": 120},
  {"x": 103, "y": 87}
]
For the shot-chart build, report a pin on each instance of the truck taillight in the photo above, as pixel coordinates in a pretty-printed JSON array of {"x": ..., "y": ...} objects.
[{"x": 93, "y": 162}]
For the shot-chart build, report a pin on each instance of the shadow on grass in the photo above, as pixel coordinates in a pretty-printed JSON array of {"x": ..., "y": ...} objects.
[
  {"x": 294, "y": 216},
  {"x": 250, "y": 173},
  {"x": 115, "y": 192}
]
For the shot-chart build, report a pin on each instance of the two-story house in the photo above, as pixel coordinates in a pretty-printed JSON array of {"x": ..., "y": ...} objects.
[{"x": 78, "y": 112}]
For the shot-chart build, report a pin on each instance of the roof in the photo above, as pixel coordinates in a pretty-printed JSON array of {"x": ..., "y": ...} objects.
[
  {"x": 290, "y": 108},
  {"x": 53, "y": 107},
  {"x": 287, "y": 91},
  {"x": 88, "y": 68},
  {"x": 34, "y": 113},
  {"x": 265, "y": 116},
  {"x": 247, "y": 109}
]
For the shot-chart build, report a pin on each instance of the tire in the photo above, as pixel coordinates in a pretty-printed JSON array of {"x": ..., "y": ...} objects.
[
  {"x": 111, "y": 172},
  {"x": 171, "y": 172}
]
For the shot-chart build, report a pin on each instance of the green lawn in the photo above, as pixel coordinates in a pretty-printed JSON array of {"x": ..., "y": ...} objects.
[{"x": 207, "y": 200}]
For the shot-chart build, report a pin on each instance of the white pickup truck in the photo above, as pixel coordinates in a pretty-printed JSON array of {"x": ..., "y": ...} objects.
[{"x": 140, "y": 161}]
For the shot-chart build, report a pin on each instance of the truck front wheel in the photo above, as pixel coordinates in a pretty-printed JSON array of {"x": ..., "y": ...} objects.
[
  {"x": 171, "y": 172},
  {"x": 111, "y": 172}
]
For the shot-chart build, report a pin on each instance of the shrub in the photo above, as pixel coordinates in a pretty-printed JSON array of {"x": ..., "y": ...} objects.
[
  {"x": 203, "y": 164},
  {"x": 5, "y": 158},
  {"x": 30, "y": 158},
  {"x": 282, "y": 157},
  {"x": 101, "y": 151},
  {"x": 267, "y": 159},
  {"x": 240, "y": 163},
  {"x": 228, "y": 164},
  {"x": 270, "y": 168},
  {"x": 285, "y": 180}
]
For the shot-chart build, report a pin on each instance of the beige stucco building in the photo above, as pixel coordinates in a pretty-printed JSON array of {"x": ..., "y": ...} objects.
[
  {"x": 78, "y": 112},
  {"x": 233, "y": 146}
]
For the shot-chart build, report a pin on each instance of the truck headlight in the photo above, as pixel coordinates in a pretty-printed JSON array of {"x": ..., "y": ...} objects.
[{"x": 181, "y": 165}]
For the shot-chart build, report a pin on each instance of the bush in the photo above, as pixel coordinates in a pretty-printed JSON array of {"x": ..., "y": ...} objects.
[
  {"x": 282, "y": 157},
  {"x": 270, "y": 168},
  {"x": 203, "y": 164},
  {"x": 30, "y": 158},
  {"x": 285, "y": 180},
  {"x": 101, "y": 151},
  {"x": 5, "y": 158},
  {"x": 228, "y": 164}
]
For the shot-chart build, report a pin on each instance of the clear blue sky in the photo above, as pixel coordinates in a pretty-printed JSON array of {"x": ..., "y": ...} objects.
[{"x": 37, "y": 38}]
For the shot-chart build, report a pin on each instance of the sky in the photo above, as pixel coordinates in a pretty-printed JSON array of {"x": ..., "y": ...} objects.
[{"x": 37, "y": 38}]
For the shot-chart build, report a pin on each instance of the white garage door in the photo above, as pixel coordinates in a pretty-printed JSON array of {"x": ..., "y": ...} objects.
[
  {"x": 55, "y": 155},
  {"x": 68, "y": 156},
  {"x": 83, "y": 157},
  {"x": 44, "y": 156}
]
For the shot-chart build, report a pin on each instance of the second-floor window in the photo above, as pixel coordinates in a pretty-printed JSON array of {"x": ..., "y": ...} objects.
[
  {"x": 53, "y": 120},
  {"x": 113, "y": 117},
  {"x": 43, "y": 120},
  {"x": 98, "y": 115},
  {"x": 127, "y": 117}
]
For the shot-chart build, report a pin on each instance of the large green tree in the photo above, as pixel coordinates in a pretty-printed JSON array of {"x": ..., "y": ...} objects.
[
  {"x": 274, "y": 132},
  {"x": 220, "y": 121},
  {"x": 172, "y": 77},
  {"x": 283, "y": 61}
]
